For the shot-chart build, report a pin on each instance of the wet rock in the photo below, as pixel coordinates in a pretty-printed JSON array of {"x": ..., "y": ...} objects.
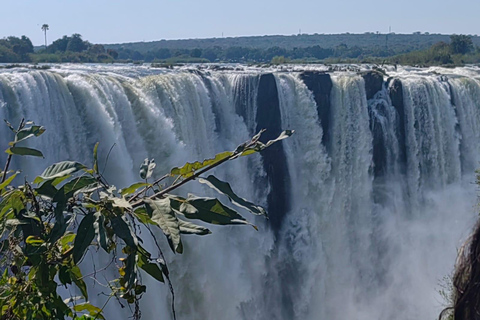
[
  {"x": 396, "y": 95},
  {"x": 373, "y": 82},
  {"x": 320, "y": 84},
  {"x": 274, "y": 160}
]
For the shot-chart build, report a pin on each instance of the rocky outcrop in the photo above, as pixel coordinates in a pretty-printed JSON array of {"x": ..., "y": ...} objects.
[{"x": 373, "y": 82}]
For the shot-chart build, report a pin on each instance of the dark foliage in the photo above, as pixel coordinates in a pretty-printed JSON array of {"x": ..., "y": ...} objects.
[
  {"x": 13, "y": 49},
  {"x": 414, "y": 49},
  {"x": 461, "y": 44},
  {"x": 47, "y": 227}
]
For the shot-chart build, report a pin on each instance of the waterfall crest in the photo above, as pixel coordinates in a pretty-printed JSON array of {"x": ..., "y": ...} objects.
[{"x": 369, "y": 199}]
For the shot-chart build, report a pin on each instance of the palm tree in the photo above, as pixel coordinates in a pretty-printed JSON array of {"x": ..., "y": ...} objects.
[{"x": 45, "y": 28}]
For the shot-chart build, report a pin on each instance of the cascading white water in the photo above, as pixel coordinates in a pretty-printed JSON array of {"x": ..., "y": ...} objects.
[{"x": 374, "y": 218}]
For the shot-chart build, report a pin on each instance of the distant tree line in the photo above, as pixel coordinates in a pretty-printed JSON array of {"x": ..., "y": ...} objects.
[
  {"x": 66, "y": 49},
  {"x": 399, "y": 43},
  {"x": 459, "y": 50},
  {"x": 247, "y": 54},
  {"x": 74, "y": 49},
  {"x": 13, "y": 49}
]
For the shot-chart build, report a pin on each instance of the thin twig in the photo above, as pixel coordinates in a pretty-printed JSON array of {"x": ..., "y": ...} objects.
[
  {"x": 181, "y": 183},
  {"x": 148, "y": 187},
  {"x": 192, "y": 177},
  {"x": 99, "y": 270},
  {"x": 104, "y": 305},
  {"x": 106, "y": 161},
  {"x": 36, "y": 205},
  {"x": 9, "y": 158},
  {"x": 167, "y": 273},
  {"x": 174, "y": 186}
]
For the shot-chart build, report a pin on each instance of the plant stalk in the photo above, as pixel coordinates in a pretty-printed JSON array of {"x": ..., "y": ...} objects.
[{"x": 9, "y": 159}]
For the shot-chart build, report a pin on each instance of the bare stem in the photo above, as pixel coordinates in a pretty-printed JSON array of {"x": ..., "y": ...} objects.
[
  {"x": 165, "y": 273},
  {"x": 22, "y": 124},
  {"x": 192, "y": 177},
  {"x": 103, "y": 307},
  {"x": 36, "y": 205},
  {"x": 144, "y": 190}
]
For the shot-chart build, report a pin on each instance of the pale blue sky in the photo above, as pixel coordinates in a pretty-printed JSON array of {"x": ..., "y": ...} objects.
[{"x": 108, "y": 21}]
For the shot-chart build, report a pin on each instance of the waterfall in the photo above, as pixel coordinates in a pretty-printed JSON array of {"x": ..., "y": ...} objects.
[{"x": 368, "y": 200}]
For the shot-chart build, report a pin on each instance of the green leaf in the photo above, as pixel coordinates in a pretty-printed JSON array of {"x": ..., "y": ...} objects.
[
  {"x": 26, "y": 133},
  {"x": 161, "y": 212},
  {"x": 8, "y": 181},
  {"x": 84, "y": 317},
  {"x": 58, "y": 230},
  {"x": 141, "y": 214},
  {"x": 129, "y": 271},
  {"x": 139, "y": 289},
  {"x": 210, "y": 210},
  {"x": 143, "y": 262},
  {"x": 61, "y": 307},
  {"x": 99, "y": 227},
  {"x": 72, "y": 299},
  {"x": 77, "y": 278},
  {"x": 34, "y": 241},
  {"x": 59, "y": 180},
  {"x": 15, "y": 222},
  {"x": 64, "y": 275},
  {"x": 23, "y": 151},
  {"x": 14, "y": 200},
  {"x": 66, "y": 239},
  {"x": 120, "y": 202},
  {"x": 124, "y": 232},
  {"x": 60, "y": 225},
  {"x": 88, "y": 190},
  {"x": 85, "y": 236},
  {"x": 224, "y": 188},
  {"x": 189, "y": 168},
  {"x": 146, "y": 169},
  {"x": 250, "y": 151},
  {"x": 47, "y": 189},
  {"x": 59, "y": 169},
  {"x": 95, "y": 158},
  {"x": 92, "y": 310},
  {"x": 133, "y": 188},
  {"x": 76, "y": 184},
  {"x": 115, "y": 201},
  {"x": 191, "y": 228}
]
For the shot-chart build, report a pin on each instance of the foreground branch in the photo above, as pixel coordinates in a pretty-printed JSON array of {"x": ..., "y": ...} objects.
[{"x": 9, "y": 158}]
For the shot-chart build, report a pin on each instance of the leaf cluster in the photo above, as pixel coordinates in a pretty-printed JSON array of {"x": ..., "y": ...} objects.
[{"x": 46, "y": 228}]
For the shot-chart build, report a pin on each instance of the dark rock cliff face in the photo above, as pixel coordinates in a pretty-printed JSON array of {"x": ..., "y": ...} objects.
[
  {"x": 274, "y": 160},
  {"x": 379, "y": 148},
  {"x": 216, "y": 108},
  {"x": 373, "y": 82},
  {"x": 320, "y": 84},
  {"x": 396, "y": 95}
]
